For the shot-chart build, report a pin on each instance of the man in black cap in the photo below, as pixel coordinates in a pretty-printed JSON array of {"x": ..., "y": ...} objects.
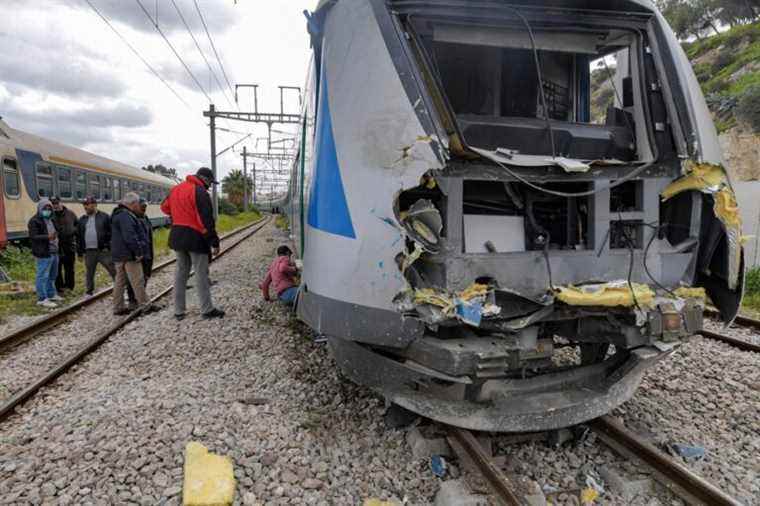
[
  {"x": 66, "y": 222},
  {"x": 193, "y": 236},
  {"x": 94, "y": 242}
]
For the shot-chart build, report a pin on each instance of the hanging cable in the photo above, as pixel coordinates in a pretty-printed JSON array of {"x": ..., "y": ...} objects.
[
  {"x": 136, "y": 53},
  {"x": 161, "y": 32}
]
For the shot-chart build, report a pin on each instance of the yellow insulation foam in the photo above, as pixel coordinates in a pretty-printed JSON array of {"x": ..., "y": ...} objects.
[
  {"x": 606, "y": 295},
  {"x": 691, "y": 293},
  {"x": 209, "y": 479}
]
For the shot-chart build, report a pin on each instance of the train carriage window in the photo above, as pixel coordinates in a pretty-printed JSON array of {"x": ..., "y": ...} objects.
[
  {"x": 80, "y": 185},
  {"x": 149, "y": 194},
  {"x": 10, "y": 177},
  {"x": 64, "y": 183},
  {"x": 94, "y": 185},
  {"x": 107, "y": 184},
  {"x": 45, "y": 181},
  {"x": 116, "y": 190}
]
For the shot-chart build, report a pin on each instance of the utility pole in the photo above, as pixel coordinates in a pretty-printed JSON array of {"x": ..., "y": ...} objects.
[
  {"x": 245, "y": 179},
  {"x": 212, "y": 128},
  {"x": 254, "y": 183}
]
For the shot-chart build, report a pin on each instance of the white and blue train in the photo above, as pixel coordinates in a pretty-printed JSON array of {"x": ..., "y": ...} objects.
[{"x": 476, "y": 245}]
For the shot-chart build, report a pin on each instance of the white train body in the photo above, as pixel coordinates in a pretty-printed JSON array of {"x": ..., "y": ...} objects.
[{"x": 443, "y": 274}]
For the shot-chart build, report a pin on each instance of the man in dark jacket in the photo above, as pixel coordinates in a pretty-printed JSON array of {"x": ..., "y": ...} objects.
[
  {"x": 94, "y": 242},
  {"x": 147, "y": 261},
  {"x": 129, "y": 245},
  {"x": 43, "y": 237},
  {"x": 193, "y": 237},
  {"x": 66, "y": 222}
]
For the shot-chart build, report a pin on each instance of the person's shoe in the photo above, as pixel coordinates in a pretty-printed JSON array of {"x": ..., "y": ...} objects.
[
  {"x": 179, "y": 317},
  {"x": 150, "y": 308},
  {"x": 214, "y": 313},
  {"x": 122, "y": 312},
  {"x": 56, "y": 298},
  {"x": 89, "y": 294},
  {"x": 47, "y": 303}
]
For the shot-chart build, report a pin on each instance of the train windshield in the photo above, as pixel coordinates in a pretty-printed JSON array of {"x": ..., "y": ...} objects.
[{"x": 524, "y": 96}]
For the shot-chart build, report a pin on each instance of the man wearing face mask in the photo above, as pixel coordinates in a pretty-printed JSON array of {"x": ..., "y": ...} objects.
[
  {"x": 44, "y": 240},
  {"x": 193, "y": 236}
]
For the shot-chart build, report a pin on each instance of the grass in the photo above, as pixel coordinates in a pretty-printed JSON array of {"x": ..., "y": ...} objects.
[
  {"x": 281, "y": 222},
  {"x": 19, "y": 263}
]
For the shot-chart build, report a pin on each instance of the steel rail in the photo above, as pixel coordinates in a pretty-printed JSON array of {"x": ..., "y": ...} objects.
[
  {"x": 736, "y": 343},
  {"x": 41, "y": 324},
  {"x": 674, "y": 476},
  {"x": 498, "y": 482},
  {"x": 745, "y": 321},
  {"x": 9, "y": 406}
]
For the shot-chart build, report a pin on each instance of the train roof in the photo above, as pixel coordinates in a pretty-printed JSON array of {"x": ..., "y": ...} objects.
[
  {"x": 68, "y": 155},
  {"x": 581, "y": 4}
]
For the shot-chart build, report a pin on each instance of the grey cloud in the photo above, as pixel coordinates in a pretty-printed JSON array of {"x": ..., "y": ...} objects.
[
  {"x": 45, "y": 67},
  {"x": 78, "y": 127}
]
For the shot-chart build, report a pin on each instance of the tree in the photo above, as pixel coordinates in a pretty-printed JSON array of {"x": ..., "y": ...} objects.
[
  {"x": 162, "y": 170},
  {"x": 233, "y": 186}
]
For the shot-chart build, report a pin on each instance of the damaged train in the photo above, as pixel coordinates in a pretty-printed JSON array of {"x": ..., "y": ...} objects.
[{"x": 482, "y": 244}]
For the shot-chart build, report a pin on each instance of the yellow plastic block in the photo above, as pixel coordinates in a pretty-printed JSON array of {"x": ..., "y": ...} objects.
[
  {"x": 209, "y": 480},
  {"x": 606, "y": 295}
]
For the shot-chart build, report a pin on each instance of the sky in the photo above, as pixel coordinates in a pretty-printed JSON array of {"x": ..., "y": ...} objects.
[{"x": 66, "y": 76}]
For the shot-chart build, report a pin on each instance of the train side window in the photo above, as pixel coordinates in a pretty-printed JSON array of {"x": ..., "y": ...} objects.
[
  {"x": 94, "y": 186},
  {"x": 64, "y": 183},
  {"x": 10, "y": 178},
  {"x": 107, "y": 182},
  {"x": 81, "y": 185},
  {"x": 45, "y": 182},
  {"x": 149, "y": 194},
  {"x": 116, "y": 190}
]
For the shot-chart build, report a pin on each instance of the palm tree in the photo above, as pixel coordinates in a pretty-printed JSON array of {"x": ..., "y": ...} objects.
[{"x": 234, "y": 187}]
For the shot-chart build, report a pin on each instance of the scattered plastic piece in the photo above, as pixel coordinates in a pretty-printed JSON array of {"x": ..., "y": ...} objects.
[
  {"x": 373, "y": 501},
  {"x": 320, "y": 338},
  {"x": 209, "y": 480},
  {"x": 438, "y": 465},
  {"x": 688, "y": 453},
  {"x": 588, "y": 496}
]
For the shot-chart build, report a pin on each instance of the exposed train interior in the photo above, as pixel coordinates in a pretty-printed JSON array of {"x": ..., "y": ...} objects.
[{"x": 525, "y": 98}]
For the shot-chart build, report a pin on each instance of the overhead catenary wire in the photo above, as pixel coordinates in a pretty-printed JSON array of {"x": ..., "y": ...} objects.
[
  {"x": 171, "y": 46},
  {"x": 213, "y": 47},
  {"x": 137, "y": 53},
  {"x": 203, "y": 55}
]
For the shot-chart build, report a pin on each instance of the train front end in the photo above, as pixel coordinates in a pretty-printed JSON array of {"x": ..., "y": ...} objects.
[{"x": 512, "y": 211}]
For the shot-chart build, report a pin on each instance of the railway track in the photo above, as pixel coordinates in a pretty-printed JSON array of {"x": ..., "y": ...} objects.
[
  {"x": 41, "y": 324},
  {"x": 674, "y": 476},
  {"x": 732, "y": 341},
  {"x": 8, "y": 406}
]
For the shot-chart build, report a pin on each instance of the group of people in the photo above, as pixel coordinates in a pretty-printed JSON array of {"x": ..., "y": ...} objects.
[{"x": 123, "y": 244}]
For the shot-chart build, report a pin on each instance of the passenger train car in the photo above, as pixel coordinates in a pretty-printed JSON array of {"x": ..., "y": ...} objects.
[
  {"x": 33, "y": 167},
  {"x": 475, "y": 246}
]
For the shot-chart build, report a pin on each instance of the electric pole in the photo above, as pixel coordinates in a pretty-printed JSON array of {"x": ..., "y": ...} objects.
[
  {"x": 245, "y": 179},
  {"x": 212, "y": 128}
]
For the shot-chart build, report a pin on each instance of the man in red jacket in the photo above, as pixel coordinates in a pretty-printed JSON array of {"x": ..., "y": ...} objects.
[{"x": 193, "y": 237}]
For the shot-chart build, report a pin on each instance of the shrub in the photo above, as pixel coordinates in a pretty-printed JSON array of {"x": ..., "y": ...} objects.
[
  {"x": 748, "y": 108},
  {"x": 752, "y": 282},
  {"x": 227, "y": 207}
]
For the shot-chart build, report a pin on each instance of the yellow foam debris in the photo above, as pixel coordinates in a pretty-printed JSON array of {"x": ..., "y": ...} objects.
[
  {"x": 377, "y": 502},
  {"x": 473, "y": 291},
  {"x": 691, "y": 293},
  {"x": 700, "y": 177},
  {"x": 588, "y": 496},
  {"x": 606, "y": 295},
  {"x": 209, "y": 479}
]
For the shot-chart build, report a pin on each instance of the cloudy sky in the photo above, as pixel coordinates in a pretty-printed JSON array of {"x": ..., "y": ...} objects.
[{"x": 65, "y": 75}]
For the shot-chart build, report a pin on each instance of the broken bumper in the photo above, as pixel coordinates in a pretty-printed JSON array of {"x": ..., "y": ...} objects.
[{"x": 550, "y": 401}]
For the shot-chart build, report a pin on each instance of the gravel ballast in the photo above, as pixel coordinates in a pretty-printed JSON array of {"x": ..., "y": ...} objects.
[{"x": 251, "y": 386}]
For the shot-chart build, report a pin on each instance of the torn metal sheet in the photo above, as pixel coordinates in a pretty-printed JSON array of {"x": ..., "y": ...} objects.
[
  {"x": 712, "y": 180},
  {"x": 570, "y": 165},
  {"x": 423, "y": 223},
  {"x": 613, "y": 294},
  {"x": 435, "y": 306}
]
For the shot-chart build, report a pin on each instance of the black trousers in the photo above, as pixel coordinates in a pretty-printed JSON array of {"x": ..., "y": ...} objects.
[{"x": 65, "y": 279}]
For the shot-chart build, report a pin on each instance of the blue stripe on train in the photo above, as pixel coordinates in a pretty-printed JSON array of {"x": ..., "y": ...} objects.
[{"x": 328, "y": 210}]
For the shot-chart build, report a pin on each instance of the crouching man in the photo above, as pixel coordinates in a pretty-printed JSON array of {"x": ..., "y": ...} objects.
[{"x": 282, "y": 277}]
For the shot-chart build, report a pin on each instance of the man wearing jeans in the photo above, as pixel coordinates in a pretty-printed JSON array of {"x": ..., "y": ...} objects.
[
  {"x": 193, "y": 237},
  {"x": 128, "y": 247},
  {"x": 43, "y": 237}
]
